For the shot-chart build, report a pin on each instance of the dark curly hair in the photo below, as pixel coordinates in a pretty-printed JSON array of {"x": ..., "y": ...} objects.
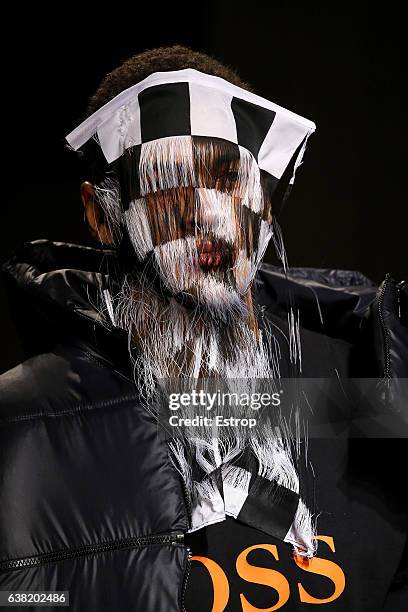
[{"x": 161, "y": 59}]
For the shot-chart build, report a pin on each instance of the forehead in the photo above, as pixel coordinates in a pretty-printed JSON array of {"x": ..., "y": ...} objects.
[
  {"x": 198, "y": 152},
  {"x": 186, "y": 161}
]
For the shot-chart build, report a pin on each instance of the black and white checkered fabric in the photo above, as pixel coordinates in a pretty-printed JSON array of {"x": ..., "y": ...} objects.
[{"x": 189, "y": 102}]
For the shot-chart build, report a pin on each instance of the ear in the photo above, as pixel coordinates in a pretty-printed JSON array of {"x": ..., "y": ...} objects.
[{"x": 94, "y": 215}]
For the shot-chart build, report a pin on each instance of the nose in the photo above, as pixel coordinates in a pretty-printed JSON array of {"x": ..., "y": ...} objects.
[{"x": 209, "y": 256}]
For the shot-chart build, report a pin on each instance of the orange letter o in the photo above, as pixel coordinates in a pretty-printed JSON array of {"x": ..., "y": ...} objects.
[{"x": 219, "y": 581}]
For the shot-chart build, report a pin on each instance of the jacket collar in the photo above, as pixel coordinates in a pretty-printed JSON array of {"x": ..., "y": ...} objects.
[{"x": 55, "y": 291}]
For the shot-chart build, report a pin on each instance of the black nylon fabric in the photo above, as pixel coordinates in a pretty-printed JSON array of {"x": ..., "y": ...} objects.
[
  {"x": 271, "y": 518},
  {"x": 81, "y": 463},
  {"x": 129, "y": 580},
  {"x": 101, "y": 460}
]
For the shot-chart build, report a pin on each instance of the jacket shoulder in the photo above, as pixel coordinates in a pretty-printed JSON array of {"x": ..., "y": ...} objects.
[
  {"x": 323, "y": 276},
  {"x": 26, "y": 386},
  {"x": 59, "y": 381}
]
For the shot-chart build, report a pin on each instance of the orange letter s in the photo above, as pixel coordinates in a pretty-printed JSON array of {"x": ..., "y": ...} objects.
[
  {"x": 262, "y": 575},
  {"x": 323, "y": 567}
]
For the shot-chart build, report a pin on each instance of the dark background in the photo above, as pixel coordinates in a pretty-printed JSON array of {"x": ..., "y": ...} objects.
[{"x": 344, "y": 71}]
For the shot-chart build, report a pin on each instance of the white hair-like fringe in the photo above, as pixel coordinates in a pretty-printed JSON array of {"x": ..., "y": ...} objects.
[
  {"x": 107, "y": 194},
  {"x": 138, "y": 228},
  {"x": 275, "y": 463},
  {"x": 168, "y": 163},
  {"x": 302, "y": 533},
  {"x": 215, "y": 214},
  {"x": 214, "y": 337}
]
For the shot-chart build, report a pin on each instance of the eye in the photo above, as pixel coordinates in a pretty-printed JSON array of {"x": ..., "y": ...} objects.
[
  {"x": 228, "y": 180},
  {"x": 231, "y": 176}
]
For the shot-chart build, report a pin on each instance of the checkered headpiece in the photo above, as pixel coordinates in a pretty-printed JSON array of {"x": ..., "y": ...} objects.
[{"x": 191, "y": 103}]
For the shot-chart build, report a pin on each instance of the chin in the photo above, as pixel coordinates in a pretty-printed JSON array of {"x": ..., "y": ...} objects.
[
  {"x": 213, "y": 296},
  {"x": 218, "y": 291}
]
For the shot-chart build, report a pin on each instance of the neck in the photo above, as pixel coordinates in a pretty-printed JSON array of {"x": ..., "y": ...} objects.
[{"x": 173, "y": 341}]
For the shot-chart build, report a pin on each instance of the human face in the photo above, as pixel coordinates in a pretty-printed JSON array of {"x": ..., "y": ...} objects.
[{"x": 202, "y": 217}]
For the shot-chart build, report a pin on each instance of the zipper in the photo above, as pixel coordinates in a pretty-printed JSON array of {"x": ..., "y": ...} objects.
[
  {"x": 387, "y": 371},
  {"x": 92, "y": 549},
  {"x": 399, "y": 287},
  {"x": 186, "y": 494},
  {"x": 187, "y": 501},
  {"x": 185, "y": 579}
]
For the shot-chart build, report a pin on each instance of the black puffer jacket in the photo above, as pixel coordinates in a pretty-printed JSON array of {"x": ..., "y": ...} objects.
[{"x": 89, "y": 500}]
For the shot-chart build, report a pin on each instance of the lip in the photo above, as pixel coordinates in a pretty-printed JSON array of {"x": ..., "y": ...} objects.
[
  {"x": 211, "y": 254},
  {"x": 210, "y": 260}
]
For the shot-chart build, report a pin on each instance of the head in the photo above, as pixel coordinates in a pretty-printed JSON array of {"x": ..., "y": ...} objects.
[
  {"x": 190, "y": 165},
  {"x": 200, "y": 217}
]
